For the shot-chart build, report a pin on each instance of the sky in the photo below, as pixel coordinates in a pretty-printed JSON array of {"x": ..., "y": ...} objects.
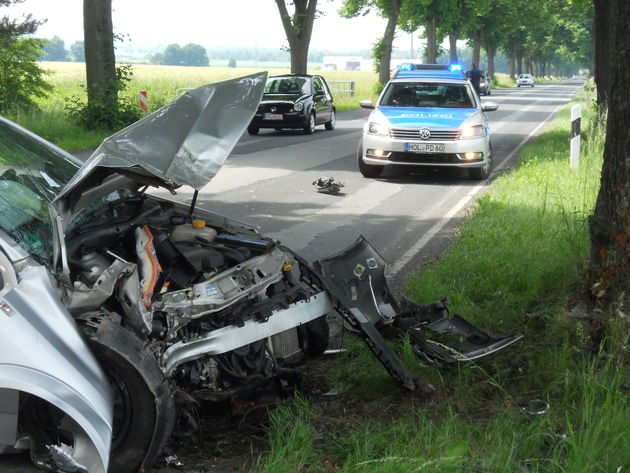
[{"x": 210, "y": 23}]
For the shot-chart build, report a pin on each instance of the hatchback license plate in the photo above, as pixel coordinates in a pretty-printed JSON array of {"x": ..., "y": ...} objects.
[
  {"x": 272, "y": 116},
  {"x": 424, "y": 147}
]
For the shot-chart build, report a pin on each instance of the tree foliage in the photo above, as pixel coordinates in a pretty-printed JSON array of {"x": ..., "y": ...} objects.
[
  {"x": 54, "y": 50},
  {"x": 389, "y": 9},
  {"x": 190, "y": 55},
  {"x": 539, "y": 36},
  {"x": 22, "y": 81},
  {"x": 104, "y": 114},
  {"x": 77, "y": 51}
]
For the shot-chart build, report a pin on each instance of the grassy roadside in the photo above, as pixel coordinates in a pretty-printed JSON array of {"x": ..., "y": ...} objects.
[{"x": 557, "y": 402}]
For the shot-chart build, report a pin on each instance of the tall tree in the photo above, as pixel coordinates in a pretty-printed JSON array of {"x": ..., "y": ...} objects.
[
  {"x": 433, "y": 15},
  {"x": 382, "y": 50},
  {"x": 55, "y": 50},
  {"x": 610, "y": 223},
  {"x": 100, "y": 61},
  {"x": 298, "y": 27}
]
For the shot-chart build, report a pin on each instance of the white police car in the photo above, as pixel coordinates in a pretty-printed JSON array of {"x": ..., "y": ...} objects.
[{"x": 427, "y": 115}]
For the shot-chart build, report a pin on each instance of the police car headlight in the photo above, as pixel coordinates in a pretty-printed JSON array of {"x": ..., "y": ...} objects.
[
  {"x": 472, "y": 132},
  {"x": 298, "y": 107},
  {"x": 376, "y": 128}
]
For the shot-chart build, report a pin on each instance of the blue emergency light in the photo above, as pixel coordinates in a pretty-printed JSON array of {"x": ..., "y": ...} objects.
[{"x": 447, "y": 71}]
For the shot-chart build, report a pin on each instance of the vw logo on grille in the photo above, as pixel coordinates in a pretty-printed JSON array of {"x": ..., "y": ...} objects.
[
  {"x": 273, "y": 109},
  {"x": 425, "y": 134}
]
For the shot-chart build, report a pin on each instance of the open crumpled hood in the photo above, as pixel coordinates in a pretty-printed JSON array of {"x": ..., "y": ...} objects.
[{"x": 183, "y": 143}]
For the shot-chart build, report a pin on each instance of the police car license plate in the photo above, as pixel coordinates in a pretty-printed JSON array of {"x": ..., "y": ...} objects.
[
  {"x": 424, "y": 147},
  {"x": 272, "y": 116}
]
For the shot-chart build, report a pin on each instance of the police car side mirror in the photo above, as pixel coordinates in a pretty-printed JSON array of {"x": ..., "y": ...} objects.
[
  {"x": 489, "y": 106},
  {"x": 367, "y": 103}
]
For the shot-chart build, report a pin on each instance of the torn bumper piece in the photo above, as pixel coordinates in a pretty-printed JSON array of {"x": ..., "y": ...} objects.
[{"x": 356, "y": 279}]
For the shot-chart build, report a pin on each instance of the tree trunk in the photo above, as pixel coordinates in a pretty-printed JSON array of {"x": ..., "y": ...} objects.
[
  {"x": 452, "y": 46},
  {"x": 601, "y": 49},
  {"x": 490, "y": 51},
  {"x": 477, "y": 36},
  {"x": 610, "y": 223},
  {"x": 432, "y": 40},
  {"x": 299, "y": 29},
  {"x": 100, "y": 61},
  {"x": 388, "y": 41}
]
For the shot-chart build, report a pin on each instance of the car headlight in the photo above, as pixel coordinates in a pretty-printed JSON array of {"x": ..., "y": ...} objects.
[
  {"x": 476, "y": 131},
  {"x": 298, "y": 107},
  {"x": 380, "y": 129}
]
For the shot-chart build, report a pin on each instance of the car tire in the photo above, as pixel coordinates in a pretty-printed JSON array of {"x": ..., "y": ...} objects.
[
  {"x": 144, "y": 409},
  {"x": 332, "y": 123},
  {"x": 252, "y": 130},
  {"x": 489, "y": 92},
  {"x": 309, "y": 129},
  {"x": 483, "y": 173},
  {"x": 367, "y": 170}
]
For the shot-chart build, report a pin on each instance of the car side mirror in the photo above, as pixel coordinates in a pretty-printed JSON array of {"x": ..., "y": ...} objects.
[
  {"x": 320, "y": 92},
  {"x": 489, "y": 106},
  {"x": 367, "y": 103}
]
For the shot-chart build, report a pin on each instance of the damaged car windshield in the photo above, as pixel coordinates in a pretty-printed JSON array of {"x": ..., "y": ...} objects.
[{"x": 31, "y": 175}]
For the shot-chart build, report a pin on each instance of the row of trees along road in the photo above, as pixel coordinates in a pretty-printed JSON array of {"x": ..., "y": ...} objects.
[{"x": 536, "y": 35}]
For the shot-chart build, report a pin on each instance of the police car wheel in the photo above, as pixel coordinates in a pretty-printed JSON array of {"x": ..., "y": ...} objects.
[
  {"x": 483, "y": 173},
  {"x": 367, "y": 170}
]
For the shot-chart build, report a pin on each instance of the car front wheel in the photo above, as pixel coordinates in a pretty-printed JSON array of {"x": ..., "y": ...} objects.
[
  {"x": 367, "y": 170},
  {"x": 144, "y": 410},
  {"x": 309, "y": 129},
  {"x": 482, "y": 173},
  {"x": 252, "y": 130}
]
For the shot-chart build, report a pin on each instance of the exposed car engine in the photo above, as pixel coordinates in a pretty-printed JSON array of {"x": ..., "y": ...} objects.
[{"x": 174, "y": 279}]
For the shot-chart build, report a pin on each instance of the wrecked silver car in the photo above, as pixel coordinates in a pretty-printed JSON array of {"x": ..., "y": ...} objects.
[{"x": 119, "y": 307}]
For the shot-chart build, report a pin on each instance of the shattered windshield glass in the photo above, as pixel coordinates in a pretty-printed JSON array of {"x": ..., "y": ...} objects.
[{"x": 31, "y": 175}]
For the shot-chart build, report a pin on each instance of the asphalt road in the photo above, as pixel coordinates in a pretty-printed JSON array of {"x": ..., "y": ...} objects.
[{"x": 408, "y": 218}]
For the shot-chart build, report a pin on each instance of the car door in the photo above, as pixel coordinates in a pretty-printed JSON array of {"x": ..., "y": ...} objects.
[{"x": 322, "y": 99}]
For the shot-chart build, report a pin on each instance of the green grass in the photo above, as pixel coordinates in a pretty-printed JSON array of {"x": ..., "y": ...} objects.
[{"x": 518, "y": 265}]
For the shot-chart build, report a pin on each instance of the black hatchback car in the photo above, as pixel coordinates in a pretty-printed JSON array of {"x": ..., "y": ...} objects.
[{"x": 296, "y": 101}]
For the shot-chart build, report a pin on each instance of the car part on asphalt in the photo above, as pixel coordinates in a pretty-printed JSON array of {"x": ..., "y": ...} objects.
[
  {"x": 121, "y": 310},
  {"x": 328, "y": 185}
]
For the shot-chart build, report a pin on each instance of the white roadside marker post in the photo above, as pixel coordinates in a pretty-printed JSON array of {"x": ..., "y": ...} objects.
[{"x": 576, "y": 113}]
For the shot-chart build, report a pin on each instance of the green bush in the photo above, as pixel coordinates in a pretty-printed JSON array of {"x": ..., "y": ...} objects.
[{"x": 21, "y": 78}]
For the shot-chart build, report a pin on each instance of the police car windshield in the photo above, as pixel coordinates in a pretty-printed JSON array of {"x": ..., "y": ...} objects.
[{"x": 409, "y": 94}]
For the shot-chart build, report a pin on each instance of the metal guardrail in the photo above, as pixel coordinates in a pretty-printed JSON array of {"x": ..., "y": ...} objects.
[{"x": 340, "y": 87}]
